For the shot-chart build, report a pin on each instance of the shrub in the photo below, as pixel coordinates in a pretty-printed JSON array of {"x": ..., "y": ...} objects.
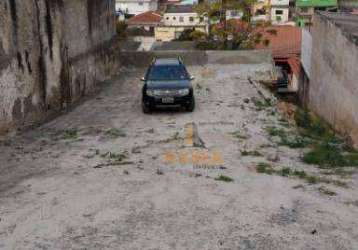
[{"x": 121, "y": 28}]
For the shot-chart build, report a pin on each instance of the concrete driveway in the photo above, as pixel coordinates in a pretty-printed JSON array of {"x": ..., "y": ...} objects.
[{"x": 106, "y": 176}]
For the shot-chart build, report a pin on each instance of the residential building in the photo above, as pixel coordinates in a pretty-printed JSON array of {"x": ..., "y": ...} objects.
[
  {"x": 279, "y": 11},
  {"x": 178, "y": 18},
  {"x": 329, "y": 81},
  {"x": 146, "y": 21},
  {"x": 306, "y": 8},
  {"x": 348, "y": 5},
  {"x": 285, "y": 47},
  {"x": 261, "y": 10},
  {"x": 135, "y": 7},
  {"x": 234, "y": 14}
]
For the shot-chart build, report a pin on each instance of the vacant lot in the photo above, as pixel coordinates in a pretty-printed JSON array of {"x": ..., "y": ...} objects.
[{"x": 106, "y": 176}]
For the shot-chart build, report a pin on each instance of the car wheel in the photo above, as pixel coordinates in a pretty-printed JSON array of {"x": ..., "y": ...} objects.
[
  {"x": 191, "y": 106},
  {"x": 146, "y": 109}
]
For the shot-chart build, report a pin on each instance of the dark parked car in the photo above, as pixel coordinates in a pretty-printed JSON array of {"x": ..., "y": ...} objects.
[{"x": 167, "y": 83}]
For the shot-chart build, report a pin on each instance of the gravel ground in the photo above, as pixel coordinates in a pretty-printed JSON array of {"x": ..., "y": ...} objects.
[{"x": 106, "y": 176}]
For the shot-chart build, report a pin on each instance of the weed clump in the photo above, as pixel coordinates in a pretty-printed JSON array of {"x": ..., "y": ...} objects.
[
  {"x": 224, "y": 178},
  {"x": 115, "y": 133},
  {"x": 250, "y": 153},
  {"x": 70, "y": 134},
  {"x": 264, "y": 168}
]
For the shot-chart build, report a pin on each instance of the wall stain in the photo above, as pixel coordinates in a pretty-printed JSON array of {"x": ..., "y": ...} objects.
[
  {"x": 13, "y": 13},
  {"x": 49, "y": 31}
]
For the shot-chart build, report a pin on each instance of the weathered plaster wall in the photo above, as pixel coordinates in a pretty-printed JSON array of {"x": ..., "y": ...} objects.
[
  {"x": 52, "y": 52},
  {"x": 333, "y": 91}
]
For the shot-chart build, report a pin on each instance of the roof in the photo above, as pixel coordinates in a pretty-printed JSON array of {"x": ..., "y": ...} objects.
[
  {"x": 347, "y": 22},
  {"x": 167, "y": 61},
  {"x": 285, "y": 43},
  {"x": 180, "y": 9},
  {"x": 146, "y": 18},
  {"x": 295, "y": 65}
]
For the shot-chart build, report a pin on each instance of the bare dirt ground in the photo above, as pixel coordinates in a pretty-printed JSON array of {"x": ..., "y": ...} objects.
[{"x": 106, "y": 176}]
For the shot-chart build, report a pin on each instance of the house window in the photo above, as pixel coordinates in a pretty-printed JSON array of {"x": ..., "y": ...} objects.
[
  {"x": 174, "y": 18},
  {"x": 167, "y": 18},
  {"x": 140, "y": 3},
  {"x": 191, "y": 19},
  {"x": 181, "y": 19},
  {"x": 279, "y": 12}
]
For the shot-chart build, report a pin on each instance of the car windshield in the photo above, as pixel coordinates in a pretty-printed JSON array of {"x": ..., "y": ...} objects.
[{"x": 167, "y": 72}]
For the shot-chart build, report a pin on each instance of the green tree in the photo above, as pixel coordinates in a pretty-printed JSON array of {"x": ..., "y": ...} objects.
[{"x": 234, "y": 34}]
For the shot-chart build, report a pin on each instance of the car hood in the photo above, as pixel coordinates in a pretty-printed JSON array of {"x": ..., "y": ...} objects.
[{"x": 168, "y": 84}]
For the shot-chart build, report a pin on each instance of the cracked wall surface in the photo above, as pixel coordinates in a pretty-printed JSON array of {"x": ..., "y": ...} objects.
[{"x": 52, "y": 53}]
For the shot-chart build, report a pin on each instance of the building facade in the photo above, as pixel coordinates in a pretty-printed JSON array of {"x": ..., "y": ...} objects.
[
  {"x": 135, "y": 7},
  {"x": 305, "y": 9},
  {"x": 178, "y": 18},
  {"x": 261, "y": 10},
  {"x": 279, "y": 11},
  {"x": 348, "y": 5}
]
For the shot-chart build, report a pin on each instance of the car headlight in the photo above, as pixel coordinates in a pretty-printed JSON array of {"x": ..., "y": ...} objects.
[
  {"x": 183, "y": 92},
  {"x": 150, "y": 92}
]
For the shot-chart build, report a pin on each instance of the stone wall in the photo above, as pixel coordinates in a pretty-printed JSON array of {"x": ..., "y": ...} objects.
[
  {"x": 333, "y": 88},
  {"x": 52, "y": 52}
]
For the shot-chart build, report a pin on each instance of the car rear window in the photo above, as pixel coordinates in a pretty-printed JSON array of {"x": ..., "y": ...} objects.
[{"x": 167, "y": 72}]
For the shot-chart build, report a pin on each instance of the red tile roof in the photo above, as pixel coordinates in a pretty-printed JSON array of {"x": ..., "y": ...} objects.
[
  {"x": 295, "y": 65},
  {"x": 146, "y": 18},
  {"x": 285, "y": 43}
]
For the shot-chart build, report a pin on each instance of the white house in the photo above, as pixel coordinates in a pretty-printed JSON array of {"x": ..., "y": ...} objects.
[
  {"x": 178, "y": 18},
  {"x": 135, "y": 7},
  {"x": 279, "y": 11},
  {"x": 234, "y": 14}
]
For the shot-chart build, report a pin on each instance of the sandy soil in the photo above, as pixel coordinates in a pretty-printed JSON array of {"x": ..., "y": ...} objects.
[{"x": 106, "y": 176}]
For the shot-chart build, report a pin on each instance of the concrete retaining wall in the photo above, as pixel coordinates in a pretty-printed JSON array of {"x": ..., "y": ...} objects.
[
  {"x": 52, "y": 52},
  {"x": 198, "y": 57},
  {"x": 333, "y": 90}
]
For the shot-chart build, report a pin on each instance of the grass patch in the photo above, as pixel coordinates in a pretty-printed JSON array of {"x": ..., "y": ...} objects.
[
  {"x": 115, "y": 158},
  {"x": 261, "y": 104},
  {"x": 238, "y": 135},
  {"x": 70, "y": 134},
  {"x": 224, "y": 178},
  {"x": 115, "y": 133},
  {"x": 328, "y": 150},
  {"x": 250, "y": 153},
  {"x": 266, "y": 168},
  {"x": 286, "y": 139},
  {"x": 330, "y": 155}
]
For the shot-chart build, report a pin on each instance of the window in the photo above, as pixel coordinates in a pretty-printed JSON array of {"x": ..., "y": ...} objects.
[
  {"x": 181, "y": 19},
  {"x": 201, "y": 19},
  {"x": 174, "y": 18},
  {"x": 279, "y": 12},
  {"x": 191, "y": 19},
  {"x": 140, "y": 3}
]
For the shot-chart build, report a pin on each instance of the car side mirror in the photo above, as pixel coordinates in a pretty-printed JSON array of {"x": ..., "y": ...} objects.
[
  {"x": 143, "y": 79},
  {"x": 192, "y": 78}
]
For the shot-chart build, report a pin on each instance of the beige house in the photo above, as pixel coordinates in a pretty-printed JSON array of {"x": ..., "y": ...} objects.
[
  {"x": 178, "y": 18},
  {"x": 261, "y": 10}
]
